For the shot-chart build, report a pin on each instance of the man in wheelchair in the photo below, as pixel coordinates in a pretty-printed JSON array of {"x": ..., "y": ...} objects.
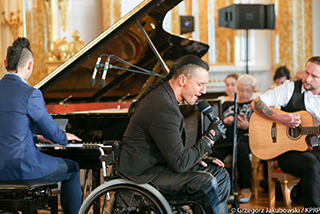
[{"x": 153, "y": 147}]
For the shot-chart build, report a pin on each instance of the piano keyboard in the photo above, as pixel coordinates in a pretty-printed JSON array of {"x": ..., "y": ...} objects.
[
  {"x": 84, "y": 145},
  {"x": 73, "y": 145}
]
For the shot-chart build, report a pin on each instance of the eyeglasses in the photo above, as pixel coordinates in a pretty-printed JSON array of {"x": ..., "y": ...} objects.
[{"x": 245, "y": 90}]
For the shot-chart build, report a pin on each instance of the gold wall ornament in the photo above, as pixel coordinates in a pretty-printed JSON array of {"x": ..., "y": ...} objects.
[
  {"x": 76, "y": 44},
  {"x": 59, "y": 50},
  {"x": 14, "y": 23},
  {"x": 63, "y": 7}
]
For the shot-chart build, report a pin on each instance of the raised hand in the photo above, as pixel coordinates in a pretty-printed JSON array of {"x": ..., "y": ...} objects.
[{"x": 216, "y": 130}]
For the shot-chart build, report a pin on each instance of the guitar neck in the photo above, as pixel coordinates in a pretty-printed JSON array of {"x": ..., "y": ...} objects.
[{"x": 310, "y": 130}]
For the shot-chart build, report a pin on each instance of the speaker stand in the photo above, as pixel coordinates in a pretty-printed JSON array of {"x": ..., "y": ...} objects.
[{"x": 247, "y": 51}]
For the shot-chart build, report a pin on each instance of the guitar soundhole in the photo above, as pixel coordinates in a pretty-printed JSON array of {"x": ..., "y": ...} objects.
[{"x": 294, "y": 133}]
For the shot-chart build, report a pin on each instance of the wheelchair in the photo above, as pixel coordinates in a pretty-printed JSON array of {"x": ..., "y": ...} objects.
[{"x": 118, "y": 195}]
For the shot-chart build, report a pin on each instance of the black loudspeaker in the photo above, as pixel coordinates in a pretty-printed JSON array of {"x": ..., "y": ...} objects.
[
  {"x": 247, "y": 16},
  {"x": 186, "y": 24}
]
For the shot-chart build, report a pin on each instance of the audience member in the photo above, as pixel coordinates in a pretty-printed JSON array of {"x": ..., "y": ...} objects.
[
  {"x": 281, "y": 74},
  {"x": 222, "y": 148},
  {"x": 231, "y": 88}
]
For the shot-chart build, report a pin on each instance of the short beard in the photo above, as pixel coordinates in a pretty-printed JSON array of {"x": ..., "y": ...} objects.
[{"x": 311, "y": 87}]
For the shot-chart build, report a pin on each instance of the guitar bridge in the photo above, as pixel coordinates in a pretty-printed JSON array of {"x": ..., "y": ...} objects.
[{"x": 274, "y": 132}]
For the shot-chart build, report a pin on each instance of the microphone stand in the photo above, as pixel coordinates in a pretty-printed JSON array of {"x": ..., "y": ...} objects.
[
  {"x": 108, "y": 65},
  {"x": 235, "y": 203},
  {"x": 136, "y": 71}
]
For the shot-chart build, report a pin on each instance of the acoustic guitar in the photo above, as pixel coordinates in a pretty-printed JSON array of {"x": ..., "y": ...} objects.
[{"x": 269, "y": 139}]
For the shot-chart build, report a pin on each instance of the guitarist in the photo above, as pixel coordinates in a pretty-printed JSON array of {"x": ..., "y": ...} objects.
[{"x": 302, "y": 94}]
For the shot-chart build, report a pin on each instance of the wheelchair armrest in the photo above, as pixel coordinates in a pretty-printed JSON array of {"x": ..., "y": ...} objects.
[{"x": 108, "y": 158}]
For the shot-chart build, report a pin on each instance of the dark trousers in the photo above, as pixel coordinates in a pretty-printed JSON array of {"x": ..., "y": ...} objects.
[
  {"x": 210, "y": 185},
  {"x": 243, "y": 161},
  {"x": 307, "y": 166}
]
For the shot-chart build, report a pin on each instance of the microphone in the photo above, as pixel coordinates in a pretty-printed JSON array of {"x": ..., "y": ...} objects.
[
  {"x": 93, "y": 78},
  {"x": 206, "y": 110},
  {"x": 102, "y": 82}
]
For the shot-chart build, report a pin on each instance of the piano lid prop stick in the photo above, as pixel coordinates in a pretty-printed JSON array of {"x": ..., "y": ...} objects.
[
  {"x": 93, "y": 78},
  {"x": 104, "y": 74}
]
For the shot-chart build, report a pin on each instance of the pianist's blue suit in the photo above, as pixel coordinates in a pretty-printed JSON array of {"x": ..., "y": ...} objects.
[{"x": 21, "y": 109}]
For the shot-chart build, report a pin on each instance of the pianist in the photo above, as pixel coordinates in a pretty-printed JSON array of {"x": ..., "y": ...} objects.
[
  {"x": 22, "y": 108},
  {"x": 153, "y": 147}
]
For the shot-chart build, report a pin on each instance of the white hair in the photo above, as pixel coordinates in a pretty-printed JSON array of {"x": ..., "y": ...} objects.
[{"x": 246, "y": 79}]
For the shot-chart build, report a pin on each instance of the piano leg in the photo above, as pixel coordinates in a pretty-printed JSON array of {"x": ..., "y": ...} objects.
[
  {"x": 95, "y": 181},
  {"x": 85, "y": 184},
  {"x": 96, "y": 178}
]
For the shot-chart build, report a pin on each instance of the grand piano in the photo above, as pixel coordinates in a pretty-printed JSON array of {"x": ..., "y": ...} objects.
[{"x": 93, "y": 89}]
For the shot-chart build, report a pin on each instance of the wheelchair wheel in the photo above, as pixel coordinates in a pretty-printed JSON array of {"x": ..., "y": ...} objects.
[{"x": 120, "y": 199}]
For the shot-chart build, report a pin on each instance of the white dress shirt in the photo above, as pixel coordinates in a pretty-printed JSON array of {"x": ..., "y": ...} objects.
[{"x": 281, "y": 95}]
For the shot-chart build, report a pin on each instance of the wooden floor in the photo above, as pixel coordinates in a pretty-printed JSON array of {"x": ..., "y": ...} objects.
[{"x": 260, "y": 205}]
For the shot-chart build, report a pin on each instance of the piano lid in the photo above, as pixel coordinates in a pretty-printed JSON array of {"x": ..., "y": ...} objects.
[{"x": 70, "y": 81}]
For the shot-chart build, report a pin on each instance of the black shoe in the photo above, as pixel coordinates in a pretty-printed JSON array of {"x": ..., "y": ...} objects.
[{"x": 197, "y": 209}]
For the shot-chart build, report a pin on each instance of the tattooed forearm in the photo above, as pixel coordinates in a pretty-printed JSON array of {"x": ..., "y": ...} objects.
[
  {"x": 259, "y": 105},
  {"x": 262, "y": 108}
]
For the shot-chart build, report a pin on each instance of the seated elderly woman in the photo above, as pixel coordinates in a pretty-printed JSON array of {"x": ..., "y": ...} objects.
[{"x": 224, "y": 147}]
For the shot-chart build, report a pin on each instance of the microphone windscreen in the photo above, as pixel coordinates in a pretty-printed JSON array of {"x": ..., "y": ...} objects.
[
  {"x": 205, "y": 107},
  {"x": 102, "y": 83},
  {"x": 92, "y": 82}
]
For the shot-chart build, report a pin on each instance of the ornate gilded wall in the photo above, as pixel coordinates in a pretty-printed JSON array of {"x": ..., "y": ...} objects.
[
  {"x": 224, "y": 37},
  {"x": 36, "y": 33},
  {"x": 293, "y": 34},
  {"x": 203, "y": 24},
  {"x": 111, "y": 12},
  {"x": 292, "y": 38},
  {"x": 203, "y": 13},
  {"x": 11, "y": 26}
]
